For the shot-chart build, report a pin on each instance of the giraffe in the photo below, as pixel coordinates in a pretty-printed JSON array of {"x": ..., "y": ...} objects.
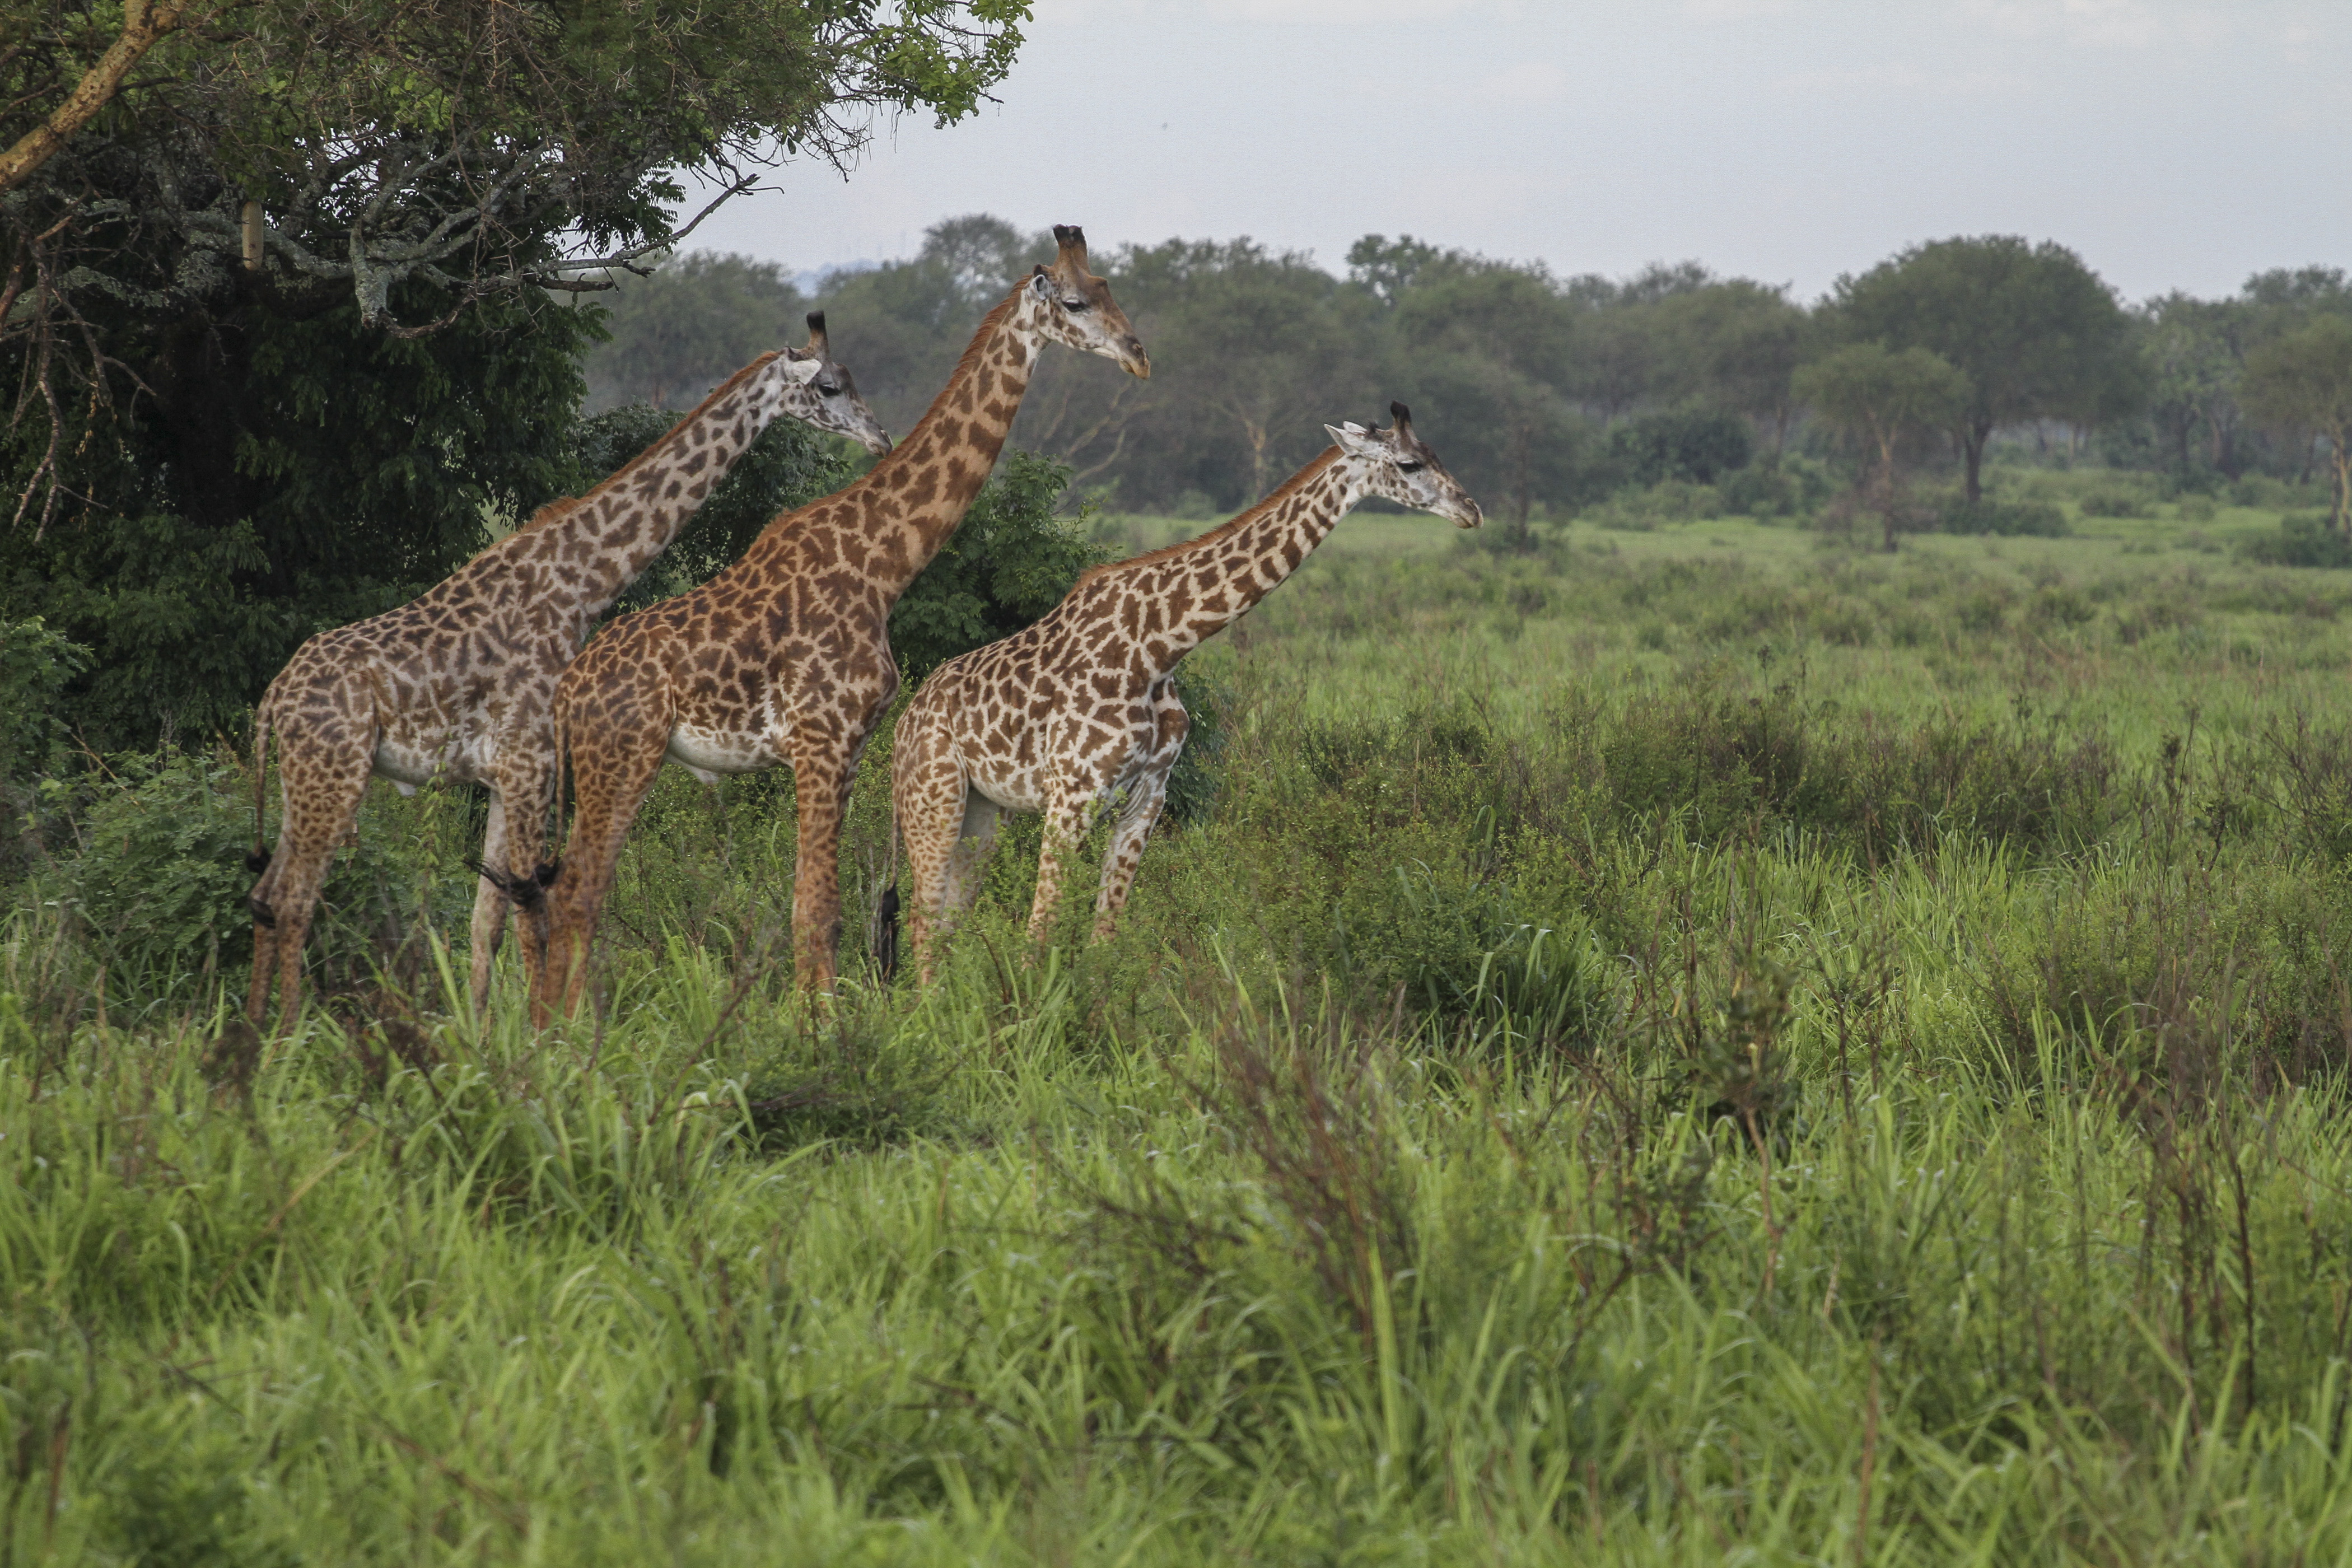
[
  {"x": 1078, "y": 707},
  {"x": 784, "y": 658},
  {"x": 456, "y": 683}
]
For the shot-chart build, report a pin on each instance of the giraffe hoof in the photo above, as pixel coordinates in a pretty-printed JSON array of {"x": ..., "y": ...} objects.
[{"x": 263, "y": 915}]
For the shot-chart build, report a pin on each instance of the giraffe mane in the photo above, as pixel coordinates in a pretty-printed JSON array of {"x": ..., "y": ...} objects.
[
  {"x": 1280, "y": 493},
  {"x": 565, "y": 506}
]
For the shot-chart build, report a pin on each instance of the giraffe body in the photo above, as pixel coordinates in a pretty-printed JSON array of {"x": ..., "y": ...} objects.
[
  {"x": 1076, "y": 713},
  {"x": 783, "y": 659},
  {"x": 457, "y": 684}
]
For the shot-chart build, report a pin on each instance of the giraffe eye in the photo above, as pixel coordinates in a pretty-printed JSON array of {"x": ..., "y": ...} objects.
[
  {"x": 1074, "y": 305},
  {"x": 830, "y": 388},
  {"x": 1409, "y": 467}
]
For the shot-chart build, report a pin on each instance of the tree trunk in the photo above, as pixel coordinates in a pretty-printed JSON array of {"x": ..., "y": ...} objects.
[
  {"x": 1519, "y": 535},
  {"x": 1972, "y": 443},
  {"x": 2340, "y": 461}
]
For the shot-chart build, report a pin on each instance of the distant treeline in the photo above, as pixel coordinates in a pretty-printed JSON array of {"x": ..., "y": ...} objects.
[{"x": 1543, "y": 393}]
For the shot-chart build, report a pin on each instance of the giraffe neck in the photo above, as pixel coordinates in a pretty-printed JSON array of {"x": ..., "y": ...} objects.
[
  {"x": 607, "y": 538},
  {"x": 908, "y": 504},
  {"x": 1226, "y": 571}
]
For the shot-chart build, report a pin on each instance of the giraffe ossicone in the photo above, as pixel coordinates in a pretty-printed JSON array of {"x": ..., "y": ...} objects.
[
  {"x": 783, "y": 659},
  {"x": 458, "y": 683},
  {"x": 1076, "y": 713}
]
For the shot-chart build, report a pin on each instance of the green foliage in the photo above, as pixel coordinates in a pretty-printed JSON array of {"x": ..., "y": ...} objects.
[
  {"x": 287, "y": 476},
  {"x": 2038, "y": 520},
  {"x": 1553, "y": 1054},
  {"x": 1695, "y": 447},
  {"x": 788, "y": 466},
  {"x": 36, "y": 663},
  {"x": 157, "y": 875},
  {"x": 672, "y": 337},
  {"x": 2035, "y": 333},
  {"x": 1793, "y": 487},
  {"x": 2302, "y": 382},
  {"x": 2301, "y": 540},
  {"x": 1669, "y": 501},
  {"x": 2118, "y": 501},
  {"x": 1012, "y": 560}
]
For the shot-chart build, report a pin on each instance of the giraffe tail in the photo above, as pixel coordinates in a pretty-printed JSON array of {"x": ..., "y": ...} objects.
[
  {"x": 882, "y": 937},
  {"x": 259, "y": 861}
]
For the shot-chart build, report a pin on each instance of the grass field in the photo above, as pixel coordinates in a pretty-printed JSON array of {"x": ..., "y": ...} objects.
[{"x": 1713, "y": 1044}]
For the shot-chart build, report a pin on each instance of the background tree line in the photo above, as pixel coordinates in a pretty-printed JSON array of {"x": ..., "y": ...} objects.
[{"x": 1549, "y": 395}]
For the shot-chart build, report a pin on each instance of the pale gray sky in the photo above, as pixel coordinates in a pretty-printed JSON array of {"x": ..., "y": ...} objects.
[{"x": 2174, "y": 144}]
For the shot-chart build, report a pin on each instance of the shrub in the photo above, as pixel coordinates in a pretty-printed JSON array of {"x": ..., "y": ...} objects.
[
  {"x": 2036, "y": 519},
  {"x": 1672, "y": 500},
  {"x": 1009, "y": 563},
  {"x": 1792, "y": 487},
  {"x": 2114, "y": 500},
  {"x": 160, "y": 877},
  {"x": 2301, "y": 540}
]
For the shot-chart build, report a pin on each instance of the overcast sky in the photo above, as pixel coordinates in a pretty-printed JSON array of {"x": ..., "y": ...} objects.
[{"x": 2173, "y": 144}]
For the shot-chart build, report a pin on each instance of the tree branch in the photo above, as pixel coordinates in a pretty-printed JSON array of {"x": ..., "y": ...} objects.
[{"x": 144, "y": 27}]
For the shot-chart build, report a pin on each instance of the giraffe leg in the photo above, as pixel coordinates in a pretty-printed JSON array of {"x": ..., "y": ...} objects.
[
  {"x": 821, "y": 784},
  {"x": 512, "y": 848},
  {"x": 1069, "y": 815},
  {"x": 321, "y": 802},
  {"x": 609, "y": 783},
  {"x": 490, "y": 904},
  {"x": 1125, "y": 853},
  {"x": 525, "y": 848},
  {"x": 930, "y": 809}
]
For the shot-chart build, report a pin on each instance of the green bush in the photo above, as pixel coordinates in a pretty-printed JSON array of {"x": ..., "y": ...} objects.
[
  {"x": 1010, "y": 561},
  {"x": 1792, "y": 488},
  {"x": 2116, "y": 500},
  {"x": 159, "y": 876},
  {"x": 2301, "y": 540},
  {"x": 2035, "y": 519},
  {"x": 1670, "y": 501}
]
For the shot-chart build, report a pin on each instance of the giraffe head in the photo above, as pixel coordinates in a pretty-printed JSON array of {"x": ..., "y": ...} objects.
[
  {"x": 1070, "y": 305},
  {"x": 1397, "y": 464},
  {"x": 824, "y": 395}
]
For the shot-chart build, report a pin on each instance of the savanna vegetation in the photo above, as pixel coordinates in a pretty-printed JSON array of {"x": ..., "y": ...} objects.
[
  {"x": 1784, "y": 1001},
  {"x": 1683, "y": 1040}
]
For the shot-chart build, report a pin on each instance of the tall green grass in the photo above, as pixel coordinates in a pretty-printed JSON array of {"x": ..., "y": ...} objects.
[{"x": 1676, "y": 1046}]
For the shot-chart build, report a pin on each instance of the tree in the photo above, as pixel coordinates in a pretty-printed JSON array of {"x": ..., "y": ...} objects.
[
  {"x": 1495, "y": 343},
  {"x": 2303, "y": 383},
  {"x": 2037, "y": 334},
  {"x": 1733, "y": 346},
  {"x": 1256, "y": 340},
  {"x": 1878, "y": 397},
  {"x": 696, "y": 321},
  {"x": 284, "y": 315}
]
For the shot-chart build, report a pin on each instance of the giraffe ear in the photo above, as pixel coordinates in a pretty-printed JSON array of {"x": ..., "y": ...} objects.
[
  {"x": 1041, "y": 282},
  {"x": 802, "y": 368},
  {"x": 1351, "y": 437}
]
